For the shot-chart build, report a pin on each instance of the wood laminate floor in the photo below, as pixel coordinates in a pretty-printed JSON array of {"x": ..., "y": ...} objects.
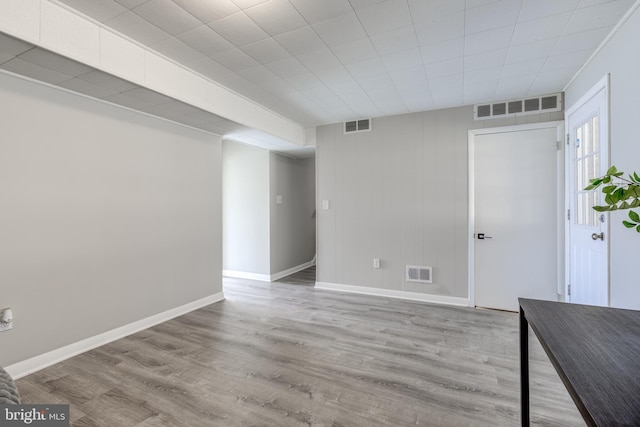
[{"x": 286, "y": 354}]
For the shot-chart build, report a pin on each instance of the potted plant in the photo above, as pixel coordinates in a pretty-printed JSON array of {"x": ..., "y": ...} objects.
[{"x": 621, "y": 193}]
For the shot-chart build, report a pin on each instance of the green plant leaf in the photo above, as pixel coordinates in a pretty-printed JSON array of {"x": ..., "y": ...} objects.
[
  {"x": 629, "y": 224},
  {"x": 634, "y": 204},
  {"x": 606, "y": 179},
  {"x": 637, "y": 178},
  {"x": 601, "y": 208},
  {"x": 609, "y": 189},
  {"x": 638, "y": 229},
  {"x": 634, "y": 216},
  {"x": 611, "y": 170},
  {"x": 624, "y": 205}
]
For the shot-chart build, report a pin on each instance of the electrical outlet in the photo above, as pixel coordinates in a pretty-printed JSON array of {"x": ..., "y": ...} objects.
[
  {"x": 6, "y": 319},
  {"x": 376, "y": 263}
]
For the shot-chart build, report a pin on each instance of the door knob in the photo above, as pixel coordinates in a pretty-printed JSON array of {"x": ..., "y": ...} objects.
[
  {"x": 600, "y": 236},
  {"x": 481, "y": 236}
]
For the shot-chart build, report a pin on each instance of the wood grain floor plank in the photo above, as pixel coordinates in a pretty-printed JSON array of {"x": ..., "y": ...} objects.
[{"x": 287, "y": 354}]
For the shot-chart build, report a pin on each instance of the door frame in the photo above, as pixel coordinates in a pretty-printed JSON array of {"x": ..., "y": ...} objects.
[
  {"x": 602, "y": 84},
  {"x": 560, "y": 193}
]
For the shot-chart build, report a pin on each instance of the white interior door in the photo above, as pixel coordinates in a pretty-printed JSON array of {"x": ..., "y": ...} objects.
[
  {"x": 588, "y": 230},
  {"x": 515, "y": 187}
]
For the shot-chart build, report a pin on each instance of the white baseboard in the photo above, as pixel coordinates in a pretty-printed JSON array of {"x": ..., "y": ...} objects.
[
  {"x": 285, "y": 273},
  {"x": 245, "y": 275},
  {"x": 267, "y": 277},
  {"x": 390, "y": 293},
  {"x": 29, "y": 366}
]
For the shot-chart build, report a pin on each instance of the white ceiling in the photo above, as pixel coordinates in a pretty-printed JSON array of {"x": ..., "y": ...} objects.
[{"x": 326, "y": 61}]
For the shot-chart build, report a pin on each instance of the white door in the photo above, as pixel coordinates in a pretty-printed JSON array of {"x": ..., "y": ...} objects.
[
  {"x": 588, "y": 231},
  {"x": 516, "y": 217}
]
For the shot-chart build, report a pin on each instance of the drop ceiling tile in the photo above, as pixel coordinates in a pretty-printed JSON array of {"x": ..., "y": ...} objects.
[
  {"x": 355, "y": 51},
  {"x": 239, "y": 29},
  {"x": 167, "y": 16},
  {"x": 279, "y": 88},
  {"x": 340, "y": 30},
  {"x": 446, "y": 82},
  {"x": 366, "y": 68},
  {"x": 492, "y": 16},
  {"x": 445, "y": 68},
  {"x": 359, "y": 4},
  {"x": 522, "y": 68},
  {"x": 205, "y": 40},
  {"x": 319, "y": 59},
  {"x": 12, "y": 46},
  {"x": 534, "y": 9},
  {"x": 258, "y": 75},
  {"x": 304, "y": 81},
  {"x": 55, "y": 62},
  {"x": 479, "y": 93},
  {"x": 485, "y": 41},
  {"x": 480, "y": 61},
  {"x": 178, "y": 51},
  {"x": 442, "y": 51},
  {"x": 315, "y": 11},
  {"x": 581, "y": 41},
  {"x": 550, "y": 82},
  {"x": 598, "y": 16},
  {"x": 409, "y": 75},
  {"x": 100, "y": 10},
  {"x": 409, "y": 58},
  {"x": 265, "y": 51},
  {"x": 276, "y": 17},
  {"x": 86, "y": 88},
  {"x": 426, "y": 11},
  {"x": 130, "y": 4},
  {"x": 488, "y": 77},
  {"x": 36, "y": 72},
  {"x": 5, "y": 58},
  {"x": 540, "y": 29},
  {"x": 235, "y": 60},
  {"x": 514, "y": 87},
  {"x": 334, "y": 74},
  {"x": 530, "y": 51},
  {"x": 377, "y": 82},
  {"x": 245, "y": 4},
  {"x": 137, "y": 28},
  {"x": 572, "y": 60},
  {"x": 287, "y": 67},
  {"x": 341, "y": 87},
  {"x": 300, "y": 41},
  {"x": 385, "y": 16},
  {"x": 475, "y": 3},
  {"x": 127, "y": 101},
  {"x": 391, "y": 41},
  {"x": 208, "y": 11},
  {"x": 99, "y": 78},
  {"x": 441, "y": 29}
]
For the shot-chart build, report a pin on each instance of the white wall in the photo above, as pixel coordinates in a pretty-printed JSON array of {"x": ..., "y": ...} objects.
[
  {"x": 620, "y": 58},
  {"x": 293, "y": 222},
  {"x": 106, "y": 217},
  {"x": 245, "y": 208},
  {"x": 398, "y": 193}
]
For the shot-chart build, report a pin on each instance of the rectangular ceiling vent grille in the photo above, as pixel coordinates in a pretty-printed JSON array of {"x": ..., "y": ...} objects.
[
  {"x": 518, "y": 107},
  {"x": 361, "y": 125},
  {"x": 419, "y": 274}
]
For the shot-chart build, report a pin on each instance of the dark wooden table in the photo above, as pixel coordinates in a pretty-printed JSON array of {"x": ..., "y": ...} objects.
[{"x": 596, "y": 352}]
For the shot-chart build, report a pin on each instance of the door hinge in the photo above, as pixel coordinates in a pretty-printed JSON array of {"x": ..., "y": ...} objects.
[
  {"x": 569, "y": 289},
  {"x": 567, "y": 139},
  {"x": 568, "y": 214}
]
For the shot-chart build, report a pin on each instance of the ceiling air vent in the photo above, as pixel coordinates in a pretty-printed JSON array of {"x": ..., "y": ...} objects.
[
  {"x": 418, "y": 274},
  {"x": 361, "y": 125},
  {"x": 518, "y": 107}
]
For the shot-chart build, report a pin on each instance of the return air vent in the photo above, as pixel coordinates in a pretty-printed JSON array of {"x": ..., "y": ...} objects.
[
  {"x": 518, "y": 107},
  {"x": 361, "y": 125},
  {"x": 418, "y": 274}
]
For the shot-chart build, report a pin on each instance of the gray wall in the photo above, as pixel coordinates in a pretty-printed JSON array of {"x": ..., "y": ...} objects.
[
  {"x": 398, "y": 193},
  {"x": 106, "y": 217},
  {"x": 293, "y": 222},
  {"x": 245, "y": 208},
  {"x": 620, "y": 58}
]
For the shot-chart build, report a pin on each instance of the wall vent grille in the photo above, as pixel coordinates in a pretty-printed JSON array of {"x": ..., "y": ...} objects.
[
  {"x": 518, "y": 107},
  {"x": 361, "y": 125},
  {"x": 420, "y": 274}
]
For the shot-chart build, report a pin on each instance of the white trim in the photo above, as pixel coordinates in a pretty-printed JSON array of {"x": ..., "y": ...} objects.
[
  {"x": 285, "y": 273},
  {"x": 268, "y": 277},
  {"x": 390, "y": 293},
  {"x": 246, "y": 275},
  {"x": 29, "y": 366},
  {"x": 601, "y": 46},
  {"x": 559, "y": 125}
]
